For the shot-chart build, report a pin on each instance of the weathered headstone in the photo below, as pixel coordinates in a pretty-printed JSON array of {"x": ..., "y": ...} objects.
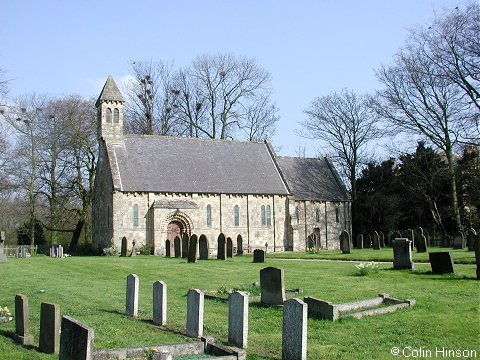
[
  {"x": 159, "y": 303},
  {"x": 239, "y": 245},
  {"x": 272, "y": 288},
  {"x": 185, "y": 240},
  {"x": 167, "y": 248},
  {"x": 345, "y": 242},
  {"x": 472, "y": 234},
  {"x": 49, "y": 328},
  {"x": 131, "y": 303},
  {"x": 22, "y": 324},
  {"x": 123, "y": 249},
  {"x": 203, "y": 247},
  {"x": 382, "y": 239},
  {"x": 134, "y": 249},
  {"x": 195, "y": 301},
  {"x": 441, "y": 262},
  {"x": 402, "y": 254},
  {"x": 229, "y": 248},
  {"x": 3, "y": 257},
  {"x": 76, "y": 341},
  {"x": 22, "y": 252},
  {"x": 421, "y": 242},
  {"x": 192, "y": 249},
  {"x": 359, "y": 241},
  {"x": 221, "y": 247},
  {"x": 458, "y": 240},
  {"x": 177, "y": 247},
  {"x": 367, "y": 241},
  {"x": 294, "y": 335},
  {"x": 258, "y": 256},
  {"x": 417, "y": 233},
  {"x": 238, "y": 319},
  {"x": 376, "y": 241}
]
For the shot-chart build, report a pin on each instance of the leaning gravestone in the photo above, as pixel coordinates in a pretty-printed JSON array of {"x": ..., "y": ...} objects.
[
  {"x": 458, "y": 240},
  {"x": 203, "y": 247},
  {"x": 177, "y": 247},
  {"x": 441, "y": 262},
  {"x": 229, "y": 248},
  {"x": 272, "y": 288},
  {"x": 22, "y": 324},
  {"x": 421, "y": 242},
  {"x": 472, "y": 234},
  {"x": 239, "y": 245},
  {"x": 49, "y": 328},
  {"x": 359, "y": 241},
  {"x": 376, "y": 241},
  {"x": 3, "y": 258},
  {"x": 123, "y": 249},
  {"x": 192, "y": 249},
  {"x": 221, "y": 247},
  {"x": 185, "y": 240},
  {"x": 258, "y": 256},
  {"x": 294, "y": 331},
  {"x": 367, "y": 241},
  {"x": 76, "y": 341},
  {"x": 402, "y": 254},
  {"x": 345, "y": 242}
]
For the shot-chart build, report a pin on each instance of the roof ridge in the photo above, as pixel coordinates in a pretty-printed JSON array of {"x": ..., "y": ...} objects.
[{"x": 191, "y": 138}]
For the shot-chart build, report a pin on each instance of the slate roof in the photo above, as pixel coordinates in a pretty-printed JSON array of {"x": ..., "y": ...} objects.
[
  {"x": 110, "y": 92},
  {"x": 312, "y": 179},
  {"x": 185, "y": 165}
]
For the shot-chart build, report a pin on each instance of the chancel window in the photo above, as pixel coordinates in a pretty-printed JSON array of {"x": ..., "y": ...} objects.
[
  {"x": 236, "y": 215},
  {"x": 209, "y": 215},
  {"x": 269, "y": 216},
  {"x": 262, "y": 215},
  {"x": 135, "y": 215}
]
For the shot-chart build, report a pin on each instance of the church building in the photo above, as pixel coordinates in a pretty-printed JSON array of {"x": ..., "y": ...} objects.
[{"x": 150, "y": 189}]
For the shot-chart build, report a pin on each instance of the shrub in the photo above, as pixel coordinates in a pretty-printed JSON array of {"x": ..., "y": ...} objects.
[
  {"x": 110, "y": 251},
  {"x": 367, "y": 268}
]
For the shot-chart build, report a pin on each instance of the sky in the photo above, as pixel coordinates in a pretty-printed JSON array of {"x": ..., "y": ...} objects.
[{"x": 310, "y": 47}]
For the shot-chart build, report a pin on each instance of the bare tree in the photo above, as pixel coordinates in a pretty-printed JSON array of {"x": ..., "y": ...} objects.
[
  {"x": 260, "y": 120},
  {"x": 346, "y": 123}
]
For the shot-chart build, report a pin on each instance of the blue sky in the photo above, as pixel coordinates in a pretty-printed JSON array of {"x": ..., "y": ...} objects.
[{"x": 311, "y": 48}]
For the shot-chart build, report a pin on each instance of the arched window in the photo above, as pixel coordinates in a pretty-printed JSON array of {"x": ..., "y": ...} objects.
[
  {"x": 297, "y": 214},
  {"x": 209, "y": 215},
  {"x": 135, "y": 215},
  {"x": 236, "y": 215},
  {"x": 269, "y": 216},
  {"x": 108, "y": 115},
  {"x": 317, "y": 215},
  {"x": 262, "y": 213},
  {"x": 337, "y": 214},
  {"x": 116, "y": 116}
]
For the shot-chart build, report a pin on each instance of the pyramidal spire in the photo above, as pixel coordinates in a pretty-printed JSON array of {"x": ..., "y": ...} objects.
[{"x": 110, "y": 92}]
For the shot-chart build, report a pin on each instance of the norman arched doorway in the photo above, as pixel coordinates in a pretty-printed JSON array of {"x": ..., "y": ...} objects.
[
  {"x": 170, "y": 226},
  {"x": 174, "y": 229}
]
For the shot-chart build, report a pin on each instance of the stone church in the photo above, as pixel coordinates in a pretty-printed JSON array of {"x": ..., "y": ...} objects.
[{"x": 151, "y": 189}]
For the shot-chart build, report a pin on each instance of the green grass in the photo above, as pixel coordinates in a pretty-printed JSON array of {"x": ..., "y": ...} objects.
[
  {"x": 92, "y": 290},
  {"x": 459, "y": 256}
]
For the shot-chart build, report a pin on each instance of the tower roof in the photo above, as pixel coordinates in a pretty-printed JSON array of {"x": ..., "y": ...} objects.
[{"x": 110, "y": 92}]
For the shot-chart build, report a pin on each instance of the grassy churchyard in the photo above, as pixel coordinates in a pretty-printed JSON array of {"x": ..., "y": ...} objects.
[{"x": 92, "y": 290}]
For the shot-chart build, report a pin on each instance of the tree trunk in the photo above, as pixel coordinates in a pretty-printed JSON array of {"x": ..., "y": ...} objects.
[{"x": 76, "y": 236}]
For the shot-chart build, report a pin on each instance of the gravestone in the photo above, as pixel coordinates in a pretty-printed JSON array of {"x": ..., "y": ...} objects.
[
  {"x": 229, "y": 248},
  {"x": 458, "y": 240},
  {"x": 311, "y": 241},
  {"x": 417, "y": 233},
  {"x": 131, "y": 303},
  {"x": 134, "y": 249},
  {"x": 472, "y": 234},
  {"x": 477, "y": 254},
  {"x": 195, "y": 301},
  {"x": 203, "y": 247},
  {"x": 367, "y": 241},
  {"x": 123, "y": 250},
  {"x": 177, "y": 247},
  {"x": 272, "y": 288},
  {"x": 238, "y": 319},
  {"x": 258, "y": 256},
  {"x": 22, "y": 252},
  {"x": 376, "y": 241},
  {"x": 22, "y": 324},
  {"x": 294, "y": 333},
  {"x": 221, "y": 247},
  {"x": 441, "y": 262},
  {"x": 345, "y": 242},
  {"x": 192, "y": 249},
  {"x": 239, "y": 245},
  {"x": 359, "y": 241},
  {"x": 402, "y": 254},
  {"x": 185, "y": 240},
  {"x": 3, "y": 257},
  {"x": 167, "y": 248},
  {"x": 49, "y": 328},
  {"x": 382, "y": 239},
  {"x": 421, "y": 242},
  {"x": 76, "y": 341},
  {"x": 159, "y": 303}
]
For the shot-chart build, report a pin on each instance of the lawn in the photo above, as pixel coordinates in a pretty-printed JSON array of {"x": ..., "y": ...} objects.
[{"x": 92, "y": 290}]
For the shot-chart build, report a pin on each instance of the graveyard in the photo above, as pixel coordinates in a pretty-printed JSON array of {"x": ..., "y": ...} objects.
[{"x": 92, "y": 290}]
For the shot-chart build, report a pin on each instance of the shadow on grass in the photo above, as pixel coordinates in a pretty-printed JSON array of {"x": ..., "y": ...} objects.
[{"x": 11, "y": 335}]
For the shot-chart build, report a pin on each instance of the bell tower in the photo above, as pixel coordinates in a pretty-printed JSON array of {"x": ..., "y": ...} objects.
[{"x": 110, "y": 113}]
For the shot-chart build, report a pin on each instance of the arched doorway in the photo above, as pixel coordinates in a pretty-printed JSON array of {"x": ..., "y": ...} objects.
[{"x": 174, "y": 230}]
